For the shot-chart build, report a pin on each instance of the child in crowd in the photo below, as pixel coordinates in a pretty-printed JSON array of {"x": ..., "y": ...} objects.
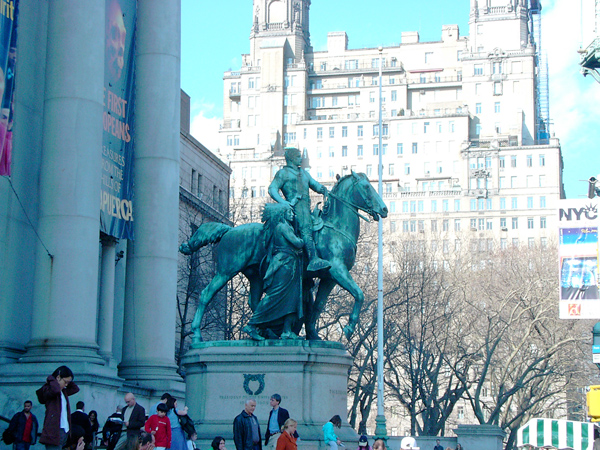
[{"x": 159, "y": 426}]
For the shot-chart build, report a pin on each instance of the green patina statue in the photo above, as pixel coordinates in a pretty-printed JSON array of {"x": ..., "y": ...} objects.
[
  {"x": 267, "y": 254},
  {"x": 294, "y": 184}
]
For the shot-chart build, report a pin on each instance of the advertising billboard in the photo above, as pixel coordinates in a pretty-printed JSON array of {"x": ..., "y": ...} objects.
[{"x": 578, "y": 259}]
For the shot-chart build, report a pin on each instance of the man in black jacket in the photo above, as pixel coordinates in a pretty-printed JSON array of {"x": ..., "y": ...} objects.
[
  {"x": 277, "y": 418},
  {"x": 134, "y": 418},
  {"x": 246, "y": 430},
  {"x": 80, "y": 418},
  {"x": 112, "y": 429},
  {"x": 24, "y": 427}
]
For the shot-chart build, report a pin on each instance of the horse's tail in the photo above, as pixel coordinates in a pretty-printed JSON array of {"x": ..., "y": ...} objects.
[{"x": 208, "y": 233}]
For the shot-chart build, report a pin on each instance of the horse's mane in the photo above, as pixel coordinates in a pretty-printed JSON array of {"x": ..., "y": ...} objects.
[{"x": 337, "y": 185}]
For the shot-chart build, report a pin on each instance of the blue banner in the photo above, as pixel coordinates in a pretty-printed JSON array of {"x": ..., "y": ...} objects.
[
  {"x": 8, "y": 58},
  {"x": 116, "y": 196}
]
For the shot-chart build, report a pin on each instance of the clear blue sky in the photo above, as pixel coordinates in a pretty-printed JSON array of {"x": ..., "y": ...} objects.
[{"x": 215, "y": 34}]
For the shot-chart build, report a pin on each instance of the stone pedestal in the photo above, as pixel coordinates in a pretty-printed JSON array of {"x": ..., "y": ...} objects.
[{"x": 311, "y": 378}]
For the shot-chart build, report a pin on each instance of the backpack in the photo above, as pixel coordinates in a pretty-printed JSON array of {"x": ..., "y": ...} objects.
[{"x": 187, "y": 425}]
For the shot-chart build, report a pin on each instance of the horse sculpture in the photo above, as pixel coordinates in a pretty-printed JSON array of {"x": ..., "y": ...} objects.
[{"x": 241, "y": 249}]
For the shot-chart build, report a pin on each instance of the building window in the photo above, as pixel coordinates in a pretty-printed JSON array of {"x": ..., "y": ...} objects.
[
  {"x": 515, "y": 223},
  {"x": 502, "y": 222},
  {"x": 542, "y": 160},
  {"x": 513, "y": 202},
  {"x": 359, "y": 132},
  {"x": 359, "y": 151},
  {"x": 542, "y": 202},
  {"x": 513, "y": 161},
  {"x": 344, "y": 150},
  {"x": 530, "y": 223},
  {"x": 445, "y": 206},
  {"x": 529, "y": 160},
  {"x": 344, "y": 131},
  {"x": 456, "y": 224},
  {"x": 497, "y": 67},
  {"x": 457, "y": 204},
  {"x": 319, "y": 133},
  {"x": 529, "y": 202},
  {"x": 331, "y": 132},
  {"x": 542, "y": 222},
  {"x": 375, "y": 149},
  {"x": 477, "y": 108},
  {"x": 399, "y": 149},
  {"x": 497, "y": 88},
  {"x": 497, "y": 107},
  {"x": 407, "y": 169},
  {"x": 445, "y": 225},
  {"x": 415, "y": 147},
  {"x": 428, "y": 57},
  {"x": 530, "y": 242},
  {"x": 478, "y": 69},
  {"x": 331, "y": 152},
  {"x": 477, "y": 129}
]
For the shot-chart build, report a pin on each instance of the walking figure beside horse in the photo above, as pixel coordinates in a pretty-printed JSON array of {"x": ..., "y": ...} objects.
[{"x": 241, "y": 250}]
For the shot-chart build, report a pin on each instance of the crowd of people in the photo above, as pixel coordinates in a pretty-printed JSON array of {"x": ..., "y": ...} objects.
[{"x": 167, "y": 427}]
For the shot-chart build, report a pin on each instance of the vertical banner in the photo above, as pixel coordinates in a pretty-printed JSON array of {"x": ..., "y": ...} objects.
[
  {"x": 578, "y": 259},
  {"x": 116, "y": 196},
  {"x": 8, "y": 59}
]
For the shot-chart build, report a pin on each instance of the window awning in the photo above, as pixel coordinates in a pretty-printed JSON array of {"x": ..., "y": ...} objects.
[{"x": 557, "y": 434}]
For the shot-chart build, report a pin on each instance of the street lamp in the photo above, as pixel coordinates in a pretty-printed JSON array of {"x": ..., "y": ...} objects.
[{"x": 380, "y": 427}]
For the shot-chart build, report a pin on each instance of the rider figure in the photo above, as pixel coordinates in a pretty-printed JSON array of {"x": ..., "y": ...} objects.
[{"x": 294, "y": 183}]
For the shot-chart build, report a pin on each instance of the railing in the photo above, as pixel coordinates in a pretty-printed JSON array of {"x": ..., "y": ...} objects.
[
  {"x": 275, "y": 26},
  {"x": 507, "y": 141}
]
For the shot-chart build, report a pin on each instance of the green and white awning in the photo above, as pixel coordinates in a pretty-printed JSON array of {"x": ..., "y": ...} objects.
[{"x": 558, "y": 434}]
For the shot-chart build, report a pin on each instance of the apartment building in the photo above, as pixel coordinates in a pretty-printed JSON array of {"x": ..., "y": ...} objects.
[{"x": 465, "y": 142}]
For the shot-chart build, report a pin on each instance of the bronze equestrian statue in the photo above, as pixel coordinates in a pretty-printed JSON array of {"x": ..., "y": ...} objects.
[{"x": 242, "y": 248}]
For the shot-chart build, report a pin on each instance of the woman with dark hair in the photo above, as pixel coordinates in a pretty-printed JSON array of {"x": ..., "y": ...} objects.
[
  {"x": 329, "y": 435},
  {"x": 177, "y": 434},
  {"x": 55, "y": 395},
  {"x": 93, "y": 416},
  {"x": 218, "y": 443}
]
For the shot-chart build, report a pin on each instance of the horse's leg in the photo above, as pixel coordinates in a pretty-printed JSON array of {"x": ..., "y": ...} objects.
[
  {"x": 206, "y": 296},
  {"x": 341, "y": 275},
  {"x": 310, "y": 325},
  {"x": 256, "y": 289}
]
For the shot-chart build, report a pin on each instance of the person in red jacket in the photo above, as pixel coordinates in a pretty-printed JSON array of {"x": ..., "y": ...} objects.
[
  {"x": 159, "y": 426},
  {"x": 55, "y": 395}
]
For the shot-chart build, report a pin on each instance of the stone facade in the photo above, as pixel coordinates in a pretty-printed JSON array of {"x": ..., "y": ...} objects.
[{"x": 69, "y": 295}]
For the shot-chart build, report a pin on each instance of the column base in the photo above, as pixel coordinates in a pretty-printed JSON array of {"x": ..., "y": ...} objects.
[
  {"x": 154, "y": 374},
  {"x": 61, "y": 351}
]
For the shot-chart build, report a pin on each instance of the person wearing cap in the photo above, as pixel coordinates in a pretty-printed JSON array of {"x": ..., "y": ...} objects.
[{"x": 363, "y": 443}]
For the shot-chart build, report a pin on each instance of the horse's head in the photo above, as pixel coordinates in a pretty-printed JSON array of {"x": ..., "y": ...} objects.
[{"x": 357, "y": 189}]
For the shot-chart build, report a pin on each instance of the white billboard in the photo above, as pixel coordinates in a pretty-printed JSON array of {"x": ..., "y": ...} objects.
[{"x": 578, "y": 221}]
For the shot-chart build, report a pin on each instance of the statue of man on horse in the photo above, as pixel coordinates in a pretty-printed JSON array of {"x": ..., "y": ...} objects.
[{"x": 331, "y": 252}]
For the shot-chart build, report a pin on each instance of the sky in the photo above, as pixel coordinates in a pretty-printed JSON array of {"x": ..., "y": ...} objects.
[{"x": 216, "y": 34}]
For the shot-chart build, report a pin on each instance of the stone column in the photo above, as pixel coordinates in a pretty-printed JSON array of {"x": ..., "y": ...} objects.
[
  {"x": 107, "y": 297},
  {"x": 149, "y": 336},
  {"x": 66, "y": 283}
]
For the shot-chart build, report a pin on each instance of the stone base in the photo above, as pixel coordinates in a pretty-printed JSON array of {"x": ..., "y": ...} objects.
[{"x": 310, "y": 376}]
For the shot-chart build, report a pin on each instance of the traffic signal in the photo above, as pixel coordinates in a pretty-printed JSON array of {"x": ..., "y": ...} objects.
[
  {"x": 592, "y": 187},
  {"x": 593, "y": 403}
]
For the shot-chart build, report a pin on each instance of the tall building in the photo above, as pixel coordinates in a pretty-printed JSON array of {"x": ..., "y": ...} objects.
[{"x": 465, "y": 139}]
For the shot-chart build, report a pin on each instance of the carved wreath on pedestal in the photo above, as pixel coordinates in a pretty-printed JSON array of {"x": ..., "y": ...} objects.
[{"x": 259, "y": 377}]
